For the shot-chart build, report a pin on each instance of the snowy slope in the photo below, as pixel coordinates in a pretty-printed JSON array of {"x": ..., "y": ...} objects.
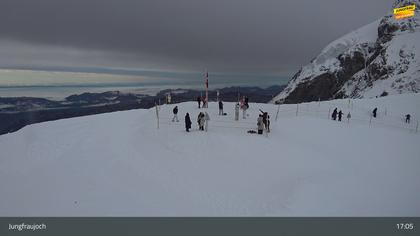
[
  {"x": 383, "y": 56},
  {"x": 119, "y": 164}
]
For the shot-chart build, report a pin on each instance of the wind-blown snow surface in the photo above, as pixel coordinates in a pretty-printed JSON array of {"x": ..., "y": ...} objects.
[{"x": 119, "y": 164}]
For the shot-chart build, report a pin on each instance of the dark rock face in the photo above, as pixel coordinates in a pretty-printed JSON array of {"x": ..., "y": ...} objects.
[
  {"x": 359, "y": 66},
  {"x": 321, "y": 88},
  {"x": 326, "y": 86}
]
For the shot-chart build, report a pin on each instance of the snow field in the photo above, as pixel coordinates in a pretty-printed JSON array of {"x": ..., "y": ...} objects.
[{"x": 120, "y": 164}]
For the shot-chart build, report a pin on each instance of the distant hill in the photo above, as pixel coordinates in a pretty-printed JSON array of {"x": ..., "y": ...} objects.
[{"x": 18, "y": 112}]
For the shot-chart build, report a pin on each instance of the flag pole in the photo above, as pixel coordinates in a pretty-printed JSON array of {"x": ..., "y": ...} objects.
[{"x": 207, "y": 88}]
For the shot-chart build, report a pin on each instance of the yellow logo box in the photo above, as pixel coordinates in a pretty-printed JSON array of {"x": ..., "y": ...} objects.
[
  {"x": 404, "y": 15},
  {"x": 401, "y": 10}
]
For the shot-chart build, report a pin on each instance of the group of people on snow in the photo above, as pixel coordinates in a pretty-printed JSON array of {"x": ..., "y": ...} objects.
[
  {"x": 203, "y": 121},
  {"x": 407, "y": 116},
  {"x": 203, "y": 118},
  {"x": 244, "y": 105},
  {"x": 339, "y": 115}
]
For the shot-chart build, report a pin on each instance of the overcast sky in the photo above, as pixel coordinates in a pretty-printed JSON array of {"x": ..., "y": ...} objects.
[{"x": 236, "y": 36}]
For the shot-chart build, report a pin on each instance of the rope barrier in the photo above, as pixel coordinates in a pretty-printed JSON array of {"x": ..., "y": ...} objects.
[{"x": 359, "y": 115}]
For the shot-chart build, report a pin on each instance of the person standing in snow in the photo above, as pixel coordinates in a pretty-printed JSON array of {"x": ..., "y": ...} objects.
[
  {"x": 206, "y": 119},
  {"x": 220, "y": 108},
  {"x": 200, "y": 121},
  {"x": 374, "y": 112},
  {"x": 407, "y": 118},
  {"x": 334, "y": 114},
  {"x": 348, "y": 117},
  {"x": 168, "y": 98},
  {"x": 237, "y": 111},
  {"x": 244, "y": 107},
  {"x": 175, "y": 111},
  {"x": 187, "y": 122},
  {"x": 265, "y": 118},
  {"x": 199, "y": 102},
  {"x": 340, "y": 114},
  {"x": 260, "y": 124}
]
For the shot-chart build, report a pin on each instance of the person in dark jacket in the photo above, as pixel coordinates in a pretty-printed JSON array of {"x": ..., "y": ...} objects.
[
  {"x": 260, "y": 124},
  {"x": 374, "y": 112},
  {"x": 220, "y": 108},
  {"x": 340, "y": 114},
  {"x": 334, "y": 114},
  {"x": 407, "y": 118},
  {"x": 187, "y": 122},
  {"x": 265, "y": 119},
  {"x": 175, "y": 111},
  {"x": 199, "y": 102}
]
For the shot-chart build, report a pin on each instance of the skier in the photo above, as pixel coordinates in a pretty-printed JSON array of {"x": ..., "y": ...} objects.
[
  {"x": 268, "y": 124},
  {"x": 407, "y": 118},
  {"x": 206, "y": 119},
  {"x": 348, "y": 117},
  {"x": 340, "y": 114},
  {"x": 220, "y": 108},
  {"x": 237, "y": 111},
  {"x": 374, "y": 112},
  {"x": 334, "y": 114},
  {"x": 175, "y": 111},
  {"x": 260, "y": 124},
  {"x": 187, "y": 122},
  {"x": 199, "y": 102}
]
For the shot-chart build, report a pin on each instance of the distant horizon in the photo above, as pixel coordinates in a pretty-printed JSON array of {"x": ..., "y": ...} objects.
[{"x": 58, "y": 84}]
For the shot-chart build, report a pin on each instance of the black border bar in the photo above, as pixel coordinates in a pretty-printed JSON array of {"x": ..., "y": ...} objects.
[{"x": 213, "y": 226}]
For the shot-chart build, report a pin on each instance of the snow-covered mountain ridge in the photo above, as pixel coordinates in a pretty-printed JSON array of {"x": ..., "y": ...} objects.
[{"x": 378, "y": 59}]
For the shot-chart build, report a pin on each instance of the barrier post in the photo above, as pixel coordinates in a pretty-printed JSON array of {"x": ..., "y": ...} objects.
[
  {"x": 278, "y": 109},
  {"x": 157, "y": 115},
  {"x": 297, "y": 109}
]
